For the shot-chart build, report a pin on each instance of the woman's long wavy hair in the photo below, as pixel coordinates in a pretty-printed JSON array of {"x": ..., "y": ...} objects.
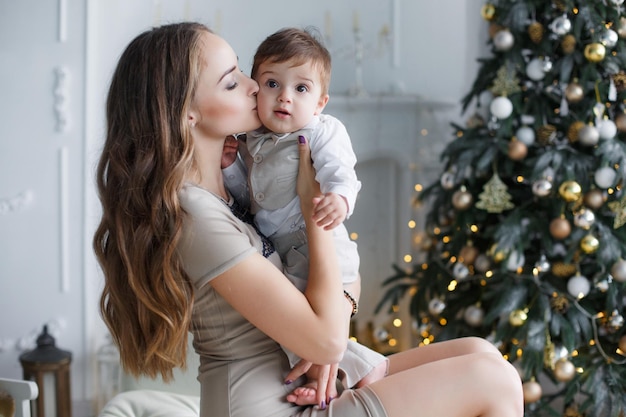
[{"x": 147, "y": 298}]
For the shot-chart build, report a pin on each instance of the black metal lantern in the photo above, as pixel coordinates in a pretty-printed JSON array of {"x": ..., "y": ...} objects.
[{"x": 42, "y": 362}]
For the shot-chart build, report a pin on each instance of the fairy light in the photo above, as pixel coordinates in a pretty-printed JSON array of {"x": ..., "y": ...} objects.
[
  {"x": 354, "y": 236},
  {"x": 408, "y": 258},
  {"x": 446, "y": 239},
  {"x": 397, "y": 322},
  {"x": 418, "y": 187},
  {"x": 474, "y": 228},
  {"x": 520, "y": 179},
  {"x": 489, "y": 274},
  {"x": 392, "y": 342},
  {"x": 453, "y": 259},
  {"x": 442, "y": 321},
  {"x": 436, "y": 231},
  {"x": 412, "y": 224},
  {"x": 452, "y": 285}
]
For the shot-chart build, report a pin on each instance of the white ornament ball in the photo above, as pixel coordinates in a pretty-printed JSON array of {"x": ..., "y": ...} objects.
[
  {"x": 561, "y": 25},
  {"x": 515, "y": 260},
  {"x": 460, "y": 271},
  {"x": 607, "y": 129},
  {"x": 609, "y": 38},
  {"x": 578, "y": 286},
  {"x": 501, "y": 107},
  {"x": 605, "y": 177},
  {"x": 584, "y": 218},
  {"x": 542, "y": 187},
  {"x": 436, "y": 306},
  {"x": 482, "y": 263},
  {"x": 618, "y": 271},
  {"x": 503, "y": 40},
  {"x": 526, "y": 135},
  {"x": 474, "y": 315},
  {"x": 534, "y": 69},
  {"x": 588, "y": 135},
  {"x": 447, "y": 180}
]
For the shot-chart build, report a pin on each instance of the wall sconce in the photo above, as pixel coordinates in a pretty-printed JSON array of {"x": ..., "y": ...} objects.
[{"x": 49, "y": 367}]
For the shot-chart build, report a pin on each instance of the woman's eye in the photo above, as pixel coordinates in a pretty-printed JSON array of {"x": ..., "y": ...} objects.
[
  {"x": 272, "y": 84},
  {"x": 302, "y": 89},
  {"x": 232, "y": 86}
]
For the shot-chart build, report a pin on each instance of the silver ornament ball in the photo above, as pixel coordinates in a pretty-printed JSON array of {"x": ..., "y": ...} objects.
[
  {"x": 584, "y": 218},
  {"x": 542, "y": 188},
  {"x": 436, "y": 306},
  {"x": 618, "y": 271}
]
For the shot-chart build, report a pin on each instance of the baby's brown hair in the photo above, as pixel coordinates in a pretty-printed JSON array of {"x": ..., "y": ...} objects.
[{"x": 297, "y": 45}]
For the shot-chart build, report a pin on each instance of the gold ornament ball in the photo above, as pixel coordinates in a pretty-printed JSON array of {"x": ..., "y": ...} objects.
[
  {"x": 618, "y": 270},
  {"x": 594, "y": 199},
  {"x": 620, "y": 122},
  {"x": 517, "y": 150},
  {"x": 468, "y": 254},
  {"x": 589, "y": 244},
  {"x": 574, "y": 92},
  {"x": 622, "y": 344},
  {"x": 595, "y": 52},
  {"x": 462, "y": 200},
  {"x": 570, "y": 191},
  {"x": 488, "y": 11},
  {"x": 532, "y": 391},
  {"x": 494, "y": 28},
  {"x": 568, "y": 44},
  {"x": 560, "y": 228},
  {"x": 517, "y": 318},
  {"x": 564, "y": 370}
]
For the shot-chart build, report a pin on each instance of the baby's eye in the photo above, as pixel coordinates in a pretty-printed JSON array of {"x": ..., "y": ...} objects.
[
  {"x": 302, "y": 88},
  {"x": 271, "y": 84}
]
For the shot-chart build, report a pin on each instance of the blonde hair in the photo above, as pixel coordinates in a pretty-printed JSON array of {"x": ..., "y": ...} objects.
[{"x": 147, "y": 298}]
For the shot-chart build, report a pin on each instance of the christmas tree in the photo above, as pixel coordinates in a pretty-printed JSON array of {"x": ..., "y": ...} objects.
[{"x": 526, "y": 238}]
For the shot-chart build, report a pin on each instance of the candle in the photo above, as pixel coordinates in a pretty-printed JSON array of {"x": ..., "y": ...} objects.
[{"x": 355, "y": 21}]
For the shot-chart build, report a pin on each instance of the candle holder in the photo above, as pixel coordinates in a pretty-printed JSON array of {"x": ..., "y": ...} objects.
[{"x": 48, "y": 363}]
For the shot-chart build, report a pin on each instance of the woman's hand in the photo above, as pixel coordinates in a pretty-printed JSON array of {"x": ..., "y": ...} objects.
[
  {"x": 308, "y": 189},
  {"x": 320, "y": 387}
]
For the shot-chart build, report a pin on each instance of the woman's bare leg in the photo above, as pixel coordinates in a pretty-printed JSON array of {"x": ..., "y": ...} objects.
[
  {"x": 467, "y": 385},
  {"x": 437, "y": 351}
]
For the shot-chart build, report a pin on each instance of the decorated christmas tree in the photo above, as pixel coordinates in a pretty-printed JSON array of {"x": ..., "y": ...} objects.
[{"x": 525, "y": 229}]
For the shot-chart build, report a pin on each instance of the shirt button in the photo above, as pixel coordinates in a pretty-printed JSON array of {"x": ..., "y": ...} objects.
[
  {"x": 259, "y": 196},
  {"x": 258, "y": 158}
]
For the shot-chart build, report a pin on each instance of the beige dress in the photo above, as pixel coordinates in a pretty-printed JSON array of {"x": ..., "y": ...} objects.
[{"x": 242, "y": 370}]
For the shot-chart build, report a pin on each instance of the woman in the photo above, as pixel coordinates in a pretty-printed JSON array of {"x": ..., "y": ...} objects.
[{"x": 176, "y": 258}]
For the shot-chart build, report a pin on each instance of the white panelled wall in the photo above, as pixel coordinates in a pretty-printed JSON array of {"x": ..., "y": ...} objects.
[{"x": 57, "y": 56}]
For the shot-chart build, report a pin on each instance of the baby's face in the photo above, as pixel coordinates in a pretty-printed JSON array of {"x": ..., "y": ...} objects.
[{"x": 289, "y": 96}]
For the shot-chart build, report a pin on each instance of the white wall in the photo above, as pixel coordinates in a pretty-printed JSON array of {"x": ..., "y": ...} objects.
[{"x": 432, "y": 55}]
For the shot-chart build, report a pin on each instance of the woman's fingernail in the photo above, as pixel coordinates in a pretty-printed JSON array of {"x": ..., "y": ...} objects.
[
  {"x": 287, "y": 382},
  {"x": 330, "y": 399},
  {"x": 301, "y": 139},
  {"x": 323, "y": 405}
]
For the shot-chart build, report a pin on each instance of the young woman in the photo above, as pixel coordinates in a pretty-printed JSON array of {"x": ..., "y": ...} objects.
[{"x": 177, "y": 258}]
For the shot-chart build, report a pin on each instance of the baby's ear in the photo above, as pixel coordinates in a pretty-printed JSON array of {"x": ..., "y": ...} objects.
[{"x": 321, "y": 104}]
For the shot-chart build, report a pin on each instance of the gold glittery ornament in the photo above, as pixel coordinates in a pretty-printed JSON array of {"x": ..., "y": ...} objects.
[
  {"x": 560, "y": 228},
  {"x": 570, "y": 191},
  {"x": 568, "y": 44},
  {"x": 496, "y": 255},
  {"x": 494, "y": 198},
  {"x": 619, "y": 208},
  {"x": 620, "y": 81},
  {"x": 506, "y": 82},
  {"x": 546, "y": 134},
  {"x": 589, "y": 244},
  {"x": 595, "y": 52},
  {"x": 574, "y": 128},
  {"x": 468, "y": 254},
  {"x": 559, "y": 303},
  {"x": 536, "y": 31},
  {"x": 563, "y": 270}
]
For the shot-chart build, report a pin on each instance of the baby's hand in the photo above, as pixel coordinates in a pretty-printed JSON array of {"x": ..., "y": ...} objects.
[
  {"x": 229, "y": 154},
  {"x": 330, "y": 210}
]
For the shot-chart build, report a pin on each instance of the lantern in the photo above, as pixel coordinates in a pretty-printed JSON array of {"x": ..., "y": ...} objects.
[
  {"x": 109, "y": 372},
  {"x": 49, "y": 367}
]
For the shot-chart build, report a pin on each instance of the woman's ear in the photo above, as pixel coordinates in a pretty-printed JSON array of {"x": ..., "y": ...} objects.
[{"x": 192, "y": 119}]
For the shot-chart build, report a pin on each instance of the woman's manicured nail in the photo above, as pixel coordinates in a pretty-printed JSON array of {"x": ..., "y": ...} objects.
[
  {"x": 287, "y": 382},
  {"x": 323, "y": 405},
  {"x": 301, "y": 139}
]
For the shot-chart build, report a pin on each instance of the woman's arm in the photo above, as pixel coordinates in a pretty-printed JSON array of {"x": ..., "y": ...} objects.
[{"x": 313, "y": 324}]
